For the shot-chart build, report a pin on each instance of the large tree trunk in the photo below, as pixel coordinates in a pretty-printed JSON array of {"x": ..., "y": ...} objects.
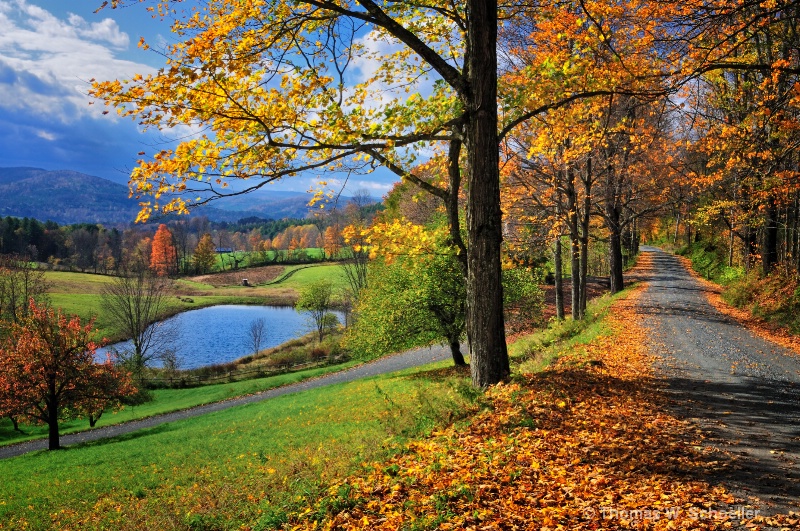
[{"x": 488, "y": 353}]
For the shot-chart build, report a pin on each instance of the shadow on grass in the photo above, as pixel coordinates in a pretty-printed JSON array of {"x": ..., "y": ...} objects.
[{"x": 138, "y": 434}]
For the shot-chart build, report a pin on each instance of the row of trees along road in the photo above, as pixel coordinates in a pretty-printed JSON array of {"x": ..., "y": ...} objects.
[{"x": 446, "y": 82}]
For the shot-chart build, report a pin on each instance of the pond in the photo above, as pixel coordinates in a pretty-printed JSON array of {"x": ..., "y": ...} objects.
[{"x": 220, "y": 334}]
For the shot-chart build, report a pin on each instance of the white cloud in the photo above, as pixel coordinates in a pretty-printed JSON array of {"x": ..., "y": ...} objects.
[
  {"x": 46, "y": 62},
  {"x": 45, "y": 135},
  {"x": 106, "y": 30}
]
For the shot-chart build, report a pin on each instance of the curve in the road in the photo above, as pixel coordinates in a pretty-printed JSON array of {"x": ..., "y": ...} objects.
[{"x": 405, "y": 360}]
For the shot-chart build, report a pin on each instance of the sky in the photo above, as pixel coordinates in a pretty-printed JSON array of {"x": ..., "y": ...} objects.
[{"x": 49, "y": 52}]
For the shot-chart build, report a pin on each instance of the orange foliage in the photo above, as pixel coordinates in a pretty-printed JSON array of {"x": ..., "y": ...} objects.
[
  {"x": 585, "y": 445},
  {"x": 163, "y": 257},
  {"x": 48, "y": 372}
]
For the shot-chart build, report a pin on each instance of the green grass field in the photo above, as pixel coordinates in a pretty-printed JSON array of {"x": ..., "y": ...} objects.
[
  {"x": 168, "y": 400},
  {"x": 306, "y": 275},
  {"x": 241, "y": 466}
]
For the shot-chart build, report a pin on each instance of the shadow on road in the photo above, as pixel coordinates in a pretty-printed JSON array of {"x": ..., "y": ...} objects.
[
  {"x": 741, "y": 391},
  {"x": 756, "y": 422}
]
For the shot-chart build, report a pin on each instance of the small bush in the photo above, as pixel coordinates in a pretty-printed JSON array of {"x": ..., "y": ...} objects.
[{"x": 319, "y": 353}]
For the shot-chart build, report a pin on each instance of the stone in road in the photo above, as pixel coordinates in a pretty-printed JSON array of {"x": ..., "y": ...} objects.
[
  {"x": 405, "y": 360},
  {"x": 741, "y": 390}
]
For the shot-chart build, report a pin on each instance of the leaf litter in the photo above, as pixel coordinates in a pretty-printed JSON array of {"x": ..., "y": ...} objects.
[{"x": 585, "y": 445}]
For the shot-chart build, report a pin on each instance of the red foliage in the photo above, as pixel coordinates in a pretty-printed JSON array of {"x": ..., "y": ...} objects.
[{"x": 48, "y": 372}]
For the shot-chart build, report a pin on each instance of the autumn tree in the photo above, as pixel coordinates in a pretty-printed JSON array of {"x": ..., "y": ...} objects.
[
  {"x": 163, "y": 257},
  {"x": 205, "y": 256},
  {"x": 742, "y": 156},
  {"x": 314, "y": 117},
  {"x": 332, "y": 241},
  {"x": 48, "y": 372}
]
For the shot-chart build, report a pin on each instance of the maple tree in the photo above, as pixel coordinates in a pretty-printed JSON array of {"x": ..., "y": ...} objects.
[
  {"x": 163, "y": 257},
  {"x": 48, "y": 372}
]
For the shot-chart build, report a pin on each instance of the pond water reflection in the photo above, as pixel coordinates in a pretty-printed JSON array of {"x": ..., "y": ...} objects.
[{"x": 219, "y": 334}]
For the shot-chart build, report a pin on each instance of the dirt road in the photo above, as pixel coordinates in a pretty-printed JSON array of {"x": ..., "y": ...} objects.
[{"x": 741, "y": 390}]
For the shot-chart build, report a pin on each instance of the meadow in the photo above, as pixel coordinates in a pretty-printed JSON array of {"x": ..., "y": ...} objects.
[{"x": 168, "y": 400}]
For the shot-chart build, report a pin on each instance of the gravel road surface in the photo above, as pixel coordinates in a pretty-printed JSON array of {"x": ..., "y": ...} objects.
[
  {"x": 405, "y": 360},
  {"x": 741, "y": 390}
]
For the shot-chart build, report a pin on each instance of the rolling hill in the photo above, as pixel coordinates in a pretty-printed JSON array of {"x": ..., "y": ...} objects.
[{"x": 68, "y": 197}]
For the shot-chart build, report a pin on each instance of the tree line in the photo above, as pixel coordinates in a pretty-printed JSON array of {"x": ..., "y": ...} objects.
[{"x": 252, "y": 241}]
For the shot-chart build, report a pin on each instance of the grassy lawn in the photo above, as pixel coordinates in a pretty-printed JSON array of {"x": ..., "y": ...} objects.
[
  {"x": 225, "y": 469},
  {"x": 167, "y": 400},
  {"x": 306, "y": 275},
  {"x": 247, "y": 467}
]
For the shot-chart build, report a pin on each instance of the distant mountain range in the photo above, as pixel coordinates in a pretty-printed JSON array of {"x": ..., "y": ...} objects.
[{"x": 68, "y": 197}]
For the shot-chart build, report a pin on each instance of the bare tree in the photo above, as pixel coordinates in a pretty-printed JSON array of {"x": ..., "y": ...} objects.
[
  {"x": 258, "y": 328},
  {"x": 133, "y": 303},
  {"x": 354, "y": 266}
]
